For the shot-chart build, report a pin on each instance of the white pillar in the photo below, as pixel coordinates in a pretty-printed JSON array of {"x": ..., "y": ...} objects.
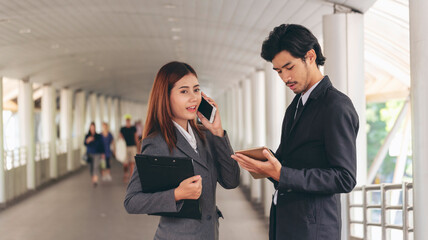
[
  {"x": 102, "y": 107},
  {"x": 92, "y": 109},
  {"x": 248, "y": 123},
  {"x": 108, "y": 111},
  {"x": 240, "y": 117},
  {"x": 229, "y": 113},
  {"x": 234, "y": 116},
  {"x": 115, "y": 118},
  {"x": 80, "y": 112},
  {"x": 259, "y": 124},
  {"x": 26, "y": 129},
  {"x": 98, "y": 113},
  {"x": 222, "y": 104},
  {"x": 419, "y": 98},
  {"x": 2, "y": 175},
  {"x": 49, "y": 127},
  {"x": 118, "y": 116},
  {"x": 66, "y": 123},
  {"x": 275, "y": 111},
  {"x": 344, "y": 50}
]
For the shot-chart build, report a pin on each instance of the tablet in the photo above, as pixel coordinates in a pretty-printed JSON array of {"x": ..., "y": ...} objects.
[{"x": 257, "y": 154}]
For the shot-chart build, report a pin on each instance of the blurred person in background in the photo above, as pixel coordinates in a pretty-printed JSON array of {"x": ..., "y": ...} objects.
[
  {"x": 95, "y": 150},
  {"x": 108, "y": 140},
  {"x": 129, "y": 133}
]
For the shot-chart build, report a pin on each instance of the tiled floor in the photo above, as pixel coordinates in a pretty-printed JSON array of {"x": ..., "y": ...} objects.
[{"x": 72, "y": 209}]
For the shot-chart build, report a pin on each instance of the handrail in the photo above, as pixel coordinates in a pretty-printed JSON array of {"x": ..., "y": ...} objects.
[
  {"x": 384, "y": 207},
  {"x": 15, "y": 158},
  {"x": 42, "y": 151}
]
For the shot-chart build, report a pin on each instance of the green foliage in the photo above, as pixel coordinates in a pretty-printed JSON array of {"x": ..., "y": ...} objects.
[{"x": 380, "y": 120}]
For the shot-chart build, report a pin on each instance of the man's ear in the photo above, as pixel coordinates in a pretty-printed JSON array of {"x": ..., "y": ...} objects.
[{"x": 311, "y": 56}]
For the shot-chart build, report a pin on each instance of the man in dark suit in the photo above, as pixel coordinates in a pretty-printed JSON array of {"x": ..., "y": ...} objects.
[{"x": 316, "y": 159}]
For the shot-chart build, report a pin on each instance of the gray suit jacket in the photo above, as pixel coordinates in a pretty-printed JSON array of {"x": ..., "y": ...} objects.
[{"x": 213, "y": 163}]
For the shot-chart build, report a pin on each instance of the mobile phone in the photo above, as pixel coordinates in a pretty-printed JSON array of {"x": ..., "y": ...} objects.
[{"x": 207, "y": 110}]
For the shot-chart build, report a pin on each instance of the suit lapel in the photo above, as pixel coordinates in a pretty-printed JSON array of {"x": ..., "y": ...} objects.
[
  {"x": 292, "y": 122},
  {"x": 185, "y": 147},
  {"x": 318, "y": 90}
]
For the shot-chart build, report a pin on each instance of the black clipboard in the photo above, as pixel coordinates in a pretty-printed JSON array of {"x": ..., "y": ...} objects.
[{"x": 159, "y": 173}]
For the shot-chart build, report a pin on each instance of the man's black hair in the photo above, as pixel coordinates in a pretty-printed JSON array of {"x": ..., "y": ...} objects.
[{"x": 295, "y": 39}]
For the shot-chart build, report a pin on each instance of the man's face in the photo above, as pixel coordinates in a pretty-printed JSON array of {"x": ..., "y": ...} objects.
[
  {"x": 293, "y": 71},
  {"x": 128, "y": 122}
]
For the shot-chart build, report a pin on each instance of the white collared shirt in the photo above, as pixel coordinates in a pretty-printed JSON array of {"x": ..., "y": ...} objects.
[
  {"x": 189, "y": 136},
  {"x": 305, "y": 96},
  {"x": 304, "y": 99}
]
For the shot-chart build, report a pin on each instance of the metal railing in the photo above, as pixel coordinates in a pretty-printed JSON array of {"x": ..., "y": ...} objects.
[
  {"x": 389, "y": 201},
  {"x": 15, "y": 158},
  {"x": 62, "y": 146},
  {"x": 42, "y": 151}
]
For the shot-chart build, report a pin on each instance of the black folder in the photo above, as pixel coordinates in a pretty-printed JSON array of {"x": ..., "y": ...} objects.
[{"x": 159, "y": 173}]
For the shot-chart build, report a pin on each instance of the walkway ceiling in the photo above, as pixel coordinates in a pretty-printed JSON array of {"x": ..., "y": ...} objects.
[{"x": 116, "y": 47}]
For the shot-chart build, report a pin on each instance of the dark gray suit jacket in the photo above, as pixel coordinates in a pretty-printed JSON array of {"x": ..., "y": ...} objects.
[
  {"x": 318, "y": 154},
  {"x": 213, "y": 163}
]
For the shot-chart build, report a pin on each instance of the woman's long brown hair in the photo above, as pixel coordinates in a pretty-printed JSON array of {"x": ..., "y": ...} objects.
[{"x": 159, "y": 113}]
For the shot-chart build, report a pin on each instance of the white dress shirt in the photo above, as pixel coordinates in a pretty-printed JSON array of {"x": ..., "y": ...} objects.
[{"x": 188, "y": 135}]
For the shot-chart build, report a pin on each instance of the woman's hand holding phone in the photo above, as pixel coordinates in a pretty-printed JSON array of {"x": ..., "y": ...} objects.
[
  {"x": 215, "y": 127},
  {"x": 190, "y": 188}
]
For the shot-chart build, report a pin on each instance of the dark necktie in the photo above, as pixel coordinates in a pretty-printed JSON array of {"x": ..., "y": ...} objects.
[{"x": 299, "y": 107}]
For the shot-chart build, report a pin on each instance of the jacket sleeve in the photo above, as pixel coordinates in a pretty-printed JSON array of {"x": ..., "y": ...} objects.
[
  {"x": 228, "y": 171},
  {"x": 340, "y": 133},
  {"x": 84, "y": 142},
  {"x": 137, "y": 202}
]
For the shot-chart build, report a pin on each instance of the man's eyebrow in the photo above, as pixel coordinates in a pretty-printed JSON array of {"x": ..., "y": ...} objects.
[{"x": 285, "y": 65}]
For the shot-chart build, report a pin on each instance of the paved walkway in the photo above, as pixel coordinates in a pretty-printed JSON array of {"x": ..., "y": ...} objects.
[{"x": 72, "y": 209}]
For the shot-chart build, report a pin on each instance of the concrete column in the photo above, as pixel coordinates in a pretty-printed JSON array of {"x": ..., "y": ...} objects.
[
  {"x": 103, "y": 109},
  {"x": 222, "y": 104},
  {"x": 275, "y": 111},
  {"x": 240, "y": 116},
  {"x": 115, "y": 126},
  {"x": 344, "y": 50},
  {"x": 259, "y": 124},
  {"x": 2, "y": 168},
  {"x": 49, "y": 127},
  {"x": 419, "y": 98},
  {"x": 80, "y": 112},
  {"x": 234, "y": 116},
  {"x": 98, "y": 113},
  {"x": 92, "y": 110},
  {"x": 108, "y": 111},
  {"x": 66, "y": 123},
  {"x": 26, "y": 129},
  {"x": 118, "y": 116},
  {"x": 248, "y": 123}
]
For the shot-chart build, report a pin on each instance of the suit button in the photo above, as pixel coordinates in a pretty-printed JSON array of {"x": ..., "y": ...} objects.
[{"x": 209, "y": 217}]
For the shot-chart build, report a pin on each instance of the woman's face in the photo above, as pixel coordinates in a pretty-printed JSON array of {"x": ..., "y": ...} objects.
[
  {"x": 92, "y": 129},
  {"x": 185, "y": 98}
]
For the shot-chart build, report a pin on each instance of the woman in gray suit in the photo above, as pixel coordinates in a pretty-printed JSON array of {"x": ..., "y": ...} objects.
[{"x": 171, "y": 130}]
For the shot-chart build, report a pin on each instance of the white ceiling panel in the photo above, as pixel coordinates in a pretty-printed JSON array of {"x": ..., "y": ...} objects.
[{"x": 116, "y": 47}]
